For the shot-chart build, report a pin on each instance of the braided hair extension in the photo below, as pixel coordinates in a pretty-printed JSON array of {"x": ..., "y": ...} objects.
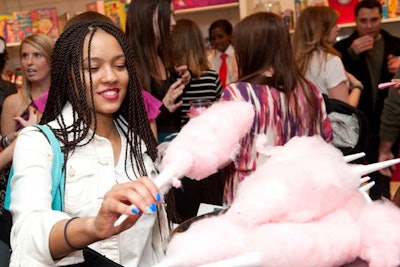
[{"x": 68, "y": 85}]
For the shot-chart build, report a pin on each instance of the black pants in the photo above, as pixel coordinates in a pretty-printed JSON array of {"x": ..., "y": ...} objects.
[
  {"x": 5, "y": 229},
  {"x": 188, "y": 198}
]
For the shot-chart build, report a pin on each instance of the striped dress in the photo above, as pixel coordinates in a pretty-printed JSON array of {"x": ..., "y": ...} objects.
[
  {"x": 208, "y": 86},
  {"x": 271, "y": 119}
]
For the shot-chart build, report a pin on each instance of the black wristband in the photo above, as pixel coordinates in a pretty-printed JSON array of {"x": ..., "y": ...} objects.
[
  {"x": 358, "y": 86},
  {"x": 5, "y": 142},
  {"x": 65, "y": 234}
]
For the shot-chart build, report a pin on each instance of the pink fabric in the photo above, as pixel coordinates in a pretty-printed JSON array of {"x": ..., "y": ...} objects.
[
  {"x": 40, "y": 102},
  {"x": 152, "y": 105}
]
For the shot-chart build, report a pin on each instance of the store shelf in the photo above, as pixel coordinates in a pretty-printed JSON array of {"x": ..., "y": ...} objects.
[
  {"x": 206, "y": 8},
  {"x": 13, "y": 44}
]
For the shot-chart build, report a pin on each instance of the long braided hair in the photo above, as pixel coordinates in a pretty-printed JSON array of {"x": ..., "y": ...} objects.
[{"x": 68, "y": 85}]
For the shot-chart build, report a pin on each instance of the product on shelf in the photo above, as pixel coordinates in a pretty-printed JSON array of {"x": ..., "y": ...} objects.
[
  {"x": 184, "y": 4},
  {"x": 45, "y": 20}
]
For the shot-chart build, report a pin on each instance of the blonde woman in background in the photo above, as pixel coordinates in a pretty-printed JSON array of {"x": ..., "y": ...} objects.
[
  {"x": 316, "y": 32},
  {"x": 25, "y": 107}
]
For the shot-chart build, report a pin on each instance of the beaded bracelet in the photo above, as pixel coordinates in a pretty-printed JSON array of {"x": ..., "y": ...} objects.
[
  {"x": 4, "y": 142},
  {"x": 65, "y": 234}
]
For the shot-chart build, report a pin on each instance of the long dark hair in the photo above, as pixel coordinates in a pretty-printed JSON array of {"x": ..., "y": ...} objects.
[
  {"x": 68, "y": 85},
  {"x": 262, "y": 43},
  {"x": 148, "y": 42}
]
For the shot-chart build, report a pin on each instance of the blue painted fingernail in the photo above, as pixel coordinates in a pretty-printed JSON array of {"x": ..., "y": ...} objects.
[
  {"x": 151, "y": 209},
  {"x": 158, "y": 197},
  {"x": 135, "y": 210}
]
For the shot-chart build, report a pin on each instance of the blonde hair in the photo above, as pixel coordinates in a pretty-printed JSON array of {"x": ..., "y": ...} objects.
[
  {"x": 45, "y": 45},
  {"x": 312, "y": 28},
  {"x": 188, "y": 47}
]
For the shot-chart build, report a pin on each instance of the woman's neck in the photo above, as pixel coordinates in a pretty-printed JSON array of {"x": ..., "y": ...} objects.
[
  {"x": 105, "y": 126},
  {"x": 38, "y": 88}
]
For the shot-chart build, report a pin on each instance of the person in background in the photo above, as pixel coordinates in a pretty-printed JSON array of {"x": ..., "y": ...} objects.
[
  {"x": 148, "y": 27},
  {"x": 370, "y": 54},
  {"x": 6, "y": 88},
  {"x": 286, "y": 104},
  {"x": 189, "y": 49},
  {"x": 390, "y": 126},
  {"x": 316, "y": 32},
  {"x": 95, "y": 108},
  {"x": 222, "y": 57},
  {"x": 24, "y": 108},
  {"x": 27, "y": 106}
]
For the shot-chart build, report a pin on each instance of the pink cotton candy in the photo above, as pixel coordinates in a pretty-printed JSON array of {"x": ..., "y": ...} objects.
[
  {"x": 202, "y": 244},
  {"x": 301, "y": 208},
  {"x": 212, "y": 138},
  {"x": 380, "y": 231},
  {"x": 295, "y": 188},
  {"x": 307, "y": 244}
]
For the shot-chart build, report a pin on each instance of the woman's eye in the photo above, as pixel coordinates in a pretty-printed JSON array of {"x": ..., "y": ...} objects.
[{"x": 91, "y": 69}]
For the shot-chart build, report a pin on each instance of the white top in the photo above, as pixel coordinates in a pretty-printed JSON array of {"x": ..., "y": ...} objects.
[
  {"x": 215, "y": 61},
  {"x": 325, "y": 73},
  {"x": 90, "y": 173}
]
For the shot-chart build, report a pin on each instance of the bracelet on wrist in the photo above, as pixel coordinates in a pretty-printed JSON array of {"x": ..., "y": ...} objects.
[
  {"x": 66, "y": 236},
  {"x": 5, "y": 142},
  {"x": 358, "y": 86}
]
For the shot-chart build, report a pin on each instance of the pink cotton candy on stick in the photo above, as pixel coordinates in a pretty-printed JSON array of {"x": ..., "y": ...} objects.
[
  {"x": 211, "y": 138},
  {"x": 301, "y": 181},
  {"x": 204, "y": 144}
]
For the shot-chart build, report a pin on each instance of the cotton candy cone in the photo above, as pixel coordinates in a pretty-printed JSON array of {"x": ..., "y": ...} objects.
[{"x": 365, "y": 169}]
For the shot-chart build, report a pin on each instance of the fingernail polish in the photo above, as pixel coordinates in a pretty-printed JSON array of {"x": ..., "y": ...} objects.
[
  {"x": 151, "y": 209},
  {"x": 135, "y": 210},
  {"x": 158, "y": 197}
]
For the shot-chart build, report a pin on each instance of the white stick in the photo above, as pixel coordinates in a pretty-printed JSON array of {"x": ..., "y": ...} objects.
[
  {"x": 352, "y": 157},
  {"x": 164, "y": 180}
]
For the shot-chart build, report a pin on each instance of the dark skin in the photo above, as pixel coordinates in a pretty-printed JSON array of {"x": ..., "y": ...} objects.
[{"x": 220, "y": 40}]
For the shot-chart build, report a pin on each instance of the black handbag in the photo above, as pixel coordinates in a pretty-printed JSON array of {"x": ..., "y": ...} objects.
[{"x": 95, "y": 259}]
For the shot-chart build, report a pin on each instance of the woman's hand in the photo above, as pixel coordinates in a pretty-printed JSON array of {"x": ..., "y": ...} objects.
[
  {"x": 396, "y": 86},
  {"x": 33, "y": 117},
  {"x": 184, "y": 73},
  {"x": 393, "y": 63},
  {"x": 174, "y": 91},
  {"x": 133, "y": 198}
]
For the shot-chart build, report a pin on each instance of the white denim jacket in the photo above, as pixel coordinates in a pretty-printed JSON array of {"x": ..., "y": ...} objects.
[{"x": 90, "y": 173}]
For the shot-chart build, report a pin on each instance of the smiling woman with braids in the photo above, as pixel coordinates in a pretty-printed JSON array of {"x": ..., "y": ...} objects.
[{"x": 95, "y": 108}]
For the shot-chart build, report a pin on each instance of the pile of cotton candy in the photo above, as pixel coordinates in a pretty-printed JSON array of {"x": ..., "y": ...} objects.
[{"x": 302, "y": 207}]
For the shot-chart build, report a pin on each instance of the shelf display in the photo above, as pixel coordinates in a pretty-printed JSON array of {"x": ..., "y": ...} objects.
[
  {"x": 14, "y": 27},
  {"x": 45, "y": 20},
  {"x": 187, "y": 4}
]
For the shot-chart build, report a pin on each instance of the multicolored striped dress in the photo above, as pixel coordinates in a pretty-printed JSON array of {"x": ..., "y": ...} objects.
[{"x": 273, "y": 120}]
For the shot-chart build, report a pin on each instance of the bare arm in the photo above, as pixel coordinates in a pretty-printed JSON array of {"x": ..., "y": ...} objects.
[
  {"x": 340, "y": 92},
  {"x": 143, "y": 193},
  {"x": 6, "y": 155},
  {"x": 10, "y": 108}
]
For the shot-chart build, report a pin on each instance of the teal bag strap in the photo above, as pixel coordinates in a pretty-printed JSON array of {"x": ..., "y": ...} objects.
[{"x": 57, "y": 171}]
